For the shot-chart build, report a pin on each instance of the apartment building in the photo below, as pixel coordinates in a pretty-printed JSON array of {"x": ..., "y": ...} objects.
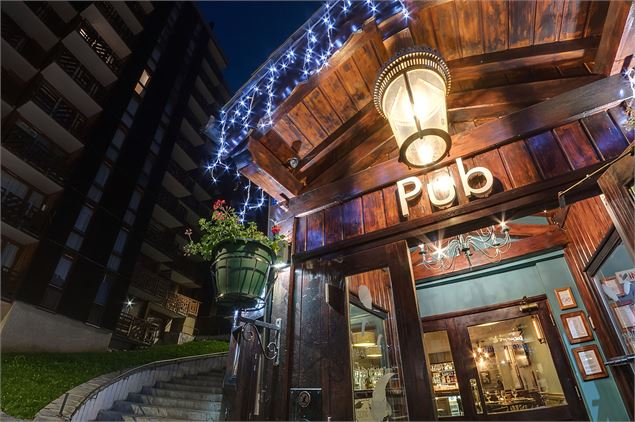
[{"x": 104, "y": 106}]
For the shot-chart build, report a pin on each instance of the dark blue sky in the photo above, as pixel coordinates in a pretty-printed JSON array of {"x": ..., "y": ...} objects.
[{"x": 248, "y": 31}]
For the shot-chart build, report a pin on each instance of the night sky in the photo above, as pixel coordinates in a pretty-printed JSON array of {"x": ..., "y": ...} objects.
[{"x": 248, "y": 32}]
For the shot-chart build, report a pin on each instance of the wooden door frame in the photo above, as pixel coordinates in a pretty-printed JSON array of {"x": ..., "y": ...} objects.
[
  {"x": 396, "y": 258},
  {"x": 456, "y": 325}
]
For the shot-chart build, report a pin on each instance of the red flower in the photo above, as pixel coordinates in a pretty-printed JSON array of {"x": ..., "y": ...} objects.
[
  {"x": 275, "y": 229},
  {"x": 219, "y": 203},
  {"x": 217, "y": 215}
]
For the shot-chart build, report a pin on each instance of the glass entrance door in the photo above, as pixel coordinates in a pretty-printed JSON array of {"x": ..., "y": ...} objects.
[{"x": 500, "y": 364}]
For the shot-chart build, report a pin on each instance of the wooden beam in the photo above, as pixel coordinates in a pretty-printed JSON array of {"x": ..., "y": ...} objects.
[
  {"x": 460, "y": 219},
  {"x": 582, "y": 50},
  {"x": 541, "y": 243},
  {"x": 493, "y": 102},
  {"x": 618, "y": 38},
  {"x": 556, "y": 111},
  {"x": 270, "y": 164}
]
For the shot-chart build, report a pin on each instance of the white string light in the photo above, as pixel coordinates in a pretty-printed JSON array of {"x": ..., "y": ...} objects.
[{"x": 253, "y": 106}]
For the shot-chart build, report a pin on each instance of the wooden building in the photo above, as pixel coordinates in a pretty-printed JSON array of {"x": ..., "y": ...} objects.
[{"x": 539, "y": 98}]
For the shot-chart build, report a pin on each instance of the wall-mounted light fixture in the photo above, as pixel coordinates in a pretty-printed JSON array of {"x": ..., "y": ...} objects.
[{"x": 410, "y": 92}]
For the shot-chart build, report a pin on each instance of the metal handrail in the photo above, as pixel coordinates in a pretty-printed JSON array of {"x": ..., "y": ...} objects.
[
  {"x": 22, "y": 214},
  {"x": 55, "y": 105},
  {"x": 127, "y": 373},
  {"x": 99, "y": 46},
  {"x": 82, "y": 76},
  {"x": 33, "y": 148},
  {"x": 113, "y": 18}
]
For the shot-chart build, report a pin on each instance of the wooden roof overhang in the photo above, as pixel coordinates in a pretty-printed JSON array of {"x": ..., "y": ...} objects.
[{"x": 518, "y": 69}]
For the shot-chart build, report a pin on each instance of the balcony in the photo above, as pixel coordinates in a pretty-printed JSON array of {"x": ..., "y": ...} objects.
[
  {"x": 33, "y": 148},
  {"x": 136, "y": 329},
  {"x": 136, "y": 10},
  {"x": 185, "y": 271},
  {"x": 78, "y": 73},
  {"x": 185, "y": 155},
  {"x": 117, "y": 23},
  {"x": 181, "y": 304},
  {"x": 99, "y": 46},
  {"x": 28, "y": 48},
  {"x": 22, "y": 214},
  {"x": 197, "y": 207},
  {"x": 196, "y": 124},
  {"x": 208, "y": 108},
  {"x": 161, "y": 239},
  {"x": 48, "y": 16},
  {"x": 170, "y": 203},
  {"x": 10, "y": 282},
  {"x": 53, "y": 104},
  {"x": 181, "y": 176}
]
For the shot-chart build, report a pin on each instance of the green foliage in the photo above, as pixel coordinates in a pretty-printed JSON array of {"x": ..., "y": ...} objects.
[
  {"x": 225, "y": 224},
  {"x": 30, "y": 381}
]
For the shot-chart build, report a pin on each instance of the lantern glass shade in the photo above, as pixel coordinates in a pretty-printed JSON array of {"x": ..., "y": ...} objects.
[{"x": 411, "y": 93}]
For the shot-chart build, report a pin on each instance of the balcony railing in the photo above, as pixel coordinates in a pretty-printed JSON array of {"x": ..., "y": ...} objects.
[
  {"x": 158, "y": 286},
  {"x": 189, "y": 149},
  {"x": 194, "y": 121},
  {"x": 27, "y": 47},
  {"x": 22, "y": 214},
  {"x": 99, "y": 46},
  {"x": 10, "y": 282},
  {"x": 39, "y": 152},
  {"x": 113, "y": 18},
  {"x": 60, "y": 110},
  {"x": 193, "y": 204},
  {"x": 162, "y": 239},
  {"x": 171, "y": 204},
  {"x": 151, "y": 283},
  {"x": 208, "y": 108},
  {"x": 79, "y": 73},
  {"x": 137, "y": 329},
  {"x": 136, "y": 10},
  {"x": 180, "y": 175},
  {"x": 45, "y": 12},
  {"x": 185, "y": 266}
]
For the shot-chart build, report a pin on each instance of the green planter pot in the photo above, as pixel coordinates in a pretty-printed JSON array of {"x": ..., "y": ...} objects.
[{"x": 241, "y": 269}]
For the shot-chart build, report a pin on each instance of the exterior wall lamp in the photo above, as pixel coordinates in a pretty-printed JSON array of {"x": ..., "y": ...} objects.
[{"x": 410, "y": 92}]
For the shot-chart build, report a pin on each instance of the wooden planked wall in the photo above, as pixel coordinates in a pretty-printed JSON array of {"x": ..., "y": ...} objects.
[{"x": 543, "y": 156}]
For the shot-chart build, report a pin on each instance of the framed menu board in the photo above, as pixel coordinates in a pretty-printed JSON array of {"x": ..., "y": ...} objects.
[
  {"x": 565, "y": 298},
  {"x": 577, "y": 327},
  {"x": 589, "y": 362}
]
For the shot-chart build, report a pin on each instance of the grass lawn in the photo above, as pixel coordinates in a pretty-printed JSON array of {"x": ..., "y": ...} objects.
[{"x": 30, "y": 381}]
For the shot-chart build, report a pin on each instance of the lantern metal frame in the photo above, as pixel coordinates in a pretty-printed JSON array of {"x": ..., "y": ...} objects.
[{"x": 403, "y": 62}]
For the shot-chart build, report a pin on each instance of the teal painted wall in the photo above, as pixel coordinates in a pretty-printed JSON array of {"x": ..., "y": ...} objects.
[{"x": 507, "y": 282}]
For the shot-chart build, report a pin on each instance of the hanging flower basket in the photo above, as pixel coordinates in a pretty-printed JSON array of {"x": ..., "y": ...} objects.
[
  {"x": 240, "y": 254},
  {"x": 241, "y": 269}
]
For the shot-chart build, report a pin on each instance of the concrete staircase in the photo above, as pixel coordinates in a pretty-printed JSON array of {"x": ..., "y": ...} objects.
[{"x": 192, "y": 398}]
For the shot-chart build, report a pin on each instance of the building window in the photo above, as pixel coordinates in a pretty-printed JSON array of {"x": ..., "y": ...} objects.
[
  {"x": 61, "y": 271},
  {"x": 104, "y": 290},
  {"x": 74, "y": 241},
  {"x": 85, "y": 214},
  {"x": 102, "y": 175},
  {"x": 143, "y": 82},
  {"x": 10, "y": 252},
  {"x": 113, "y": 262},
  {"x": 120, "y": 242}
]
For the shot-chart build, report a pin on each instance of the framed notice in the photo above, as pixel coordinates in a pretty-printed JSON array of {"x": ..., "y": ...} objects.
[
  {"x": 577, "y": 327},
  {"x": 565, "y": 298},
  {"x": 589, "y": 362}
]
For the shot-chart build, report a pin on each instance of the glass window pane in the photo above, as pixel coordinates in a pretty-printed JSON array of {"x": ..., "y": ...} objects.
[
  {"x": 113, "y": 263},
  {"x": 9, "y": 253},
  {"x": 119, "y": 137},
  {"x": 104, "y": 291},
  {"x": 74, "y": 241},
  {"x": 102, "y": 175},
  {"x": 94, "y": 193},
  {"x": 615, "y": 280},
  {"x": 442, "y": 374},
  {"x": 515, "y": 366},
  {"x": 61, "y": 271},
  {"x": 120, "y": 242},
  {"x": 83, "y": 219},
  {"x": 378, "y": 389}
]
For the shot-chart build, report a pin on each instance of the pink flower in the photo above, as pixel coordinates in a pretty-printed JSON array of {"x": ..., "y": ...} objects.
[
  {"x": 188, "y": 232},
  {"x": 219, "y": 203}
]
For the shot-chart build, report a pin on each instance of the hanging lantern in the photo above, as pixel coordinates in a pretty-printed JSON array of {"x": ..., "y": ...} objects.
[{"x": 410, "y": 92}]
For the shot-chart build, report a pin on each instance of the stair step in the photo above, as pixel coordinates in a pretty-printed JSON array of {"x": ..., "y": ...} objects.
[
  {"x": 109, "y": 415},
  {"x": 147, "y": 410},
  {"x": 182, "y": 387},
  {"x": 188, "y": 402},
  {"x": 198, "y": 382},
  {"x": 136, "y": 418},
  {"x": 205, "y": 377},
  {"x": 181, "y": 394}
]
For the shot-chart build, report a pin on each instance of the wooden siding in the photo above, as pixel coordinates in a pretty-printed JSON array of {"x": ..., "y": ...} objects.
[{"x": 520, "y": 163}]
